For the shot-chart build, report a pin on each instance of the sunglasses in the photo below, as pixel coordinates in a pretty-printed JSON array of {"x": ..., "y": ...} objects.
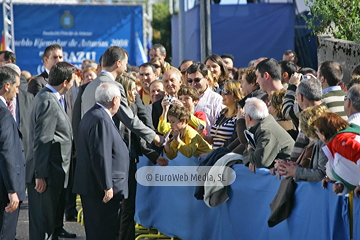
[
  {"x": 225, "y": 92},
  {"x": 183, "y": 71},
  {"x": 156, "y": 66},
  {"x": 189, "y": 80}
]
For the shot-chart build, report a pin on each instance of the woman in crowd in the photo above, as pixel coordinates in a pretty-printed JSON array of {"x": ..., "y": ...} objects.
[
  {"x": 78, "y": 77},
  {"x": 88, "y": 74},
  {"x": 342, "y": 150},
  {"x": 138, "y": 147},
  {"x": 223, "y": 131},
  {"x": 158, "y": 64},
  {"x": 310, "y": 165},
  {"x": 275, "y": 109},
  {"x": 219, "y": 70}
]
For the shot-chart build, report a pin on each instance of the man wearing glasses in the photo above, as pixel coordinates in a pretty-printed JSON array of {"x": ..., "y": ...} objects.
[{"x": 210, "y": 102}]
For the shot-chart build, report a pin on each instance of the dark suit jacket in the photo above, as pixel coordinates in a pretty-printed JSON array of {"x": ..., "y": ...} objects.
[
  {"x": 24, "y": 101},
  {"x": 103, "y": 158},
  {"x": 76, "y": 115},
  {"x": 38, "y": 82},
  {"x": 50, "y": 141},
  {"x": 156, "y": 112},
  {"x": 23, "y": 83},
  {"x": 125, "y": 115},
  {"x": 12, "y": 160}
]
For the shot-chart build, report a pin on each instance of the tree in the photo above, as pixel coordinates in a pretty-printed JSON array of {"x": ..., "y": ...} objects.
[
  {"x": 162, "y": 23},
  {"x": 340, "y": 18}
]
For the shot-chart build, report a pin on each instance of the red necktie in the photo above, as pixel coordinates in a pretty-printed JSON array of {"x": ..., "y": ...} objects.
[{"x": 11, "y": 107}]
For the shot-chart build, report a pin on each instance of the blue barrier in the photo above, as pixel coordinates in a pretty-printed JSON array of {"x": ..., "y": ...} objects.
[{"x": 318, "y": 213}]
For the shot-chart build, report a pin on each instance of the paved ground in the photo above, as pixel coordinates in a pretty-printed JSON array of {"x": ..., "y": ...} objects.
[{"x": 23, "y": 225}]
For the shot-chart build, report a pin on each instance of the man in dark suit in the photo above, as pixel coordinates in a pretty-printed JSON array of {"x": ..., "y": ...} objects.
[
  {"x": 101, "y": 174},
  {"x": 10, "y": 57},
  {"x": 114, "y": 64},
  {"x": 49, "y": 157},
  {"x": 20, "y": 110},
  {"x": 52, "y": 54},
  {"x": 12, "y": 160}
]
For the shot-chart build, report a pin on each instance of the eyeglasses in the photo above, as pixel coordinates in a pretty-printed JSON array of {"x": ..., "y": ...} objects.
[
  {"x": 225, "y": 92},
  {"x": 189, "y": 80},
  {"x": 346, "y": 97},
  {"x": 183, "y": 71}
]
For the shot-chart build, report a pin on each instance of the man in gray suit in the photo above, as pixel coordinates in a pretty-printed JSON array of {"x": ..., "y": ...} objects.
[
  {"x": 48, "y": 162},
  {"x": 114, "y": 62}
]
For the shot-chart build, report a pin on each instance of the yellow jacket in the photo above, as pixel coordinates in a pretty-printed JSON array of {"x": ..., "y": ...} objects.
[
  {"x": 164, "y": 127},
  {"x": 191, "y": 144}
]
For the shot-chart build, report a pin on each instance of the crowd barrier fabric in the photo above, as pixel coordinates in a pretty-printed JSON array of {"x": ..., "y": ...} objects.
[{"x": 317, "y": 214}]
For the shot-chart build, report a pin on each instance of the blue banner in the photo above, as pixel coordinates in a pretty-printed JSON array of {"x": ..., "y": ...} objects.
[
  {"x": 247, "y": 31},
  {"x": 83, "y": 31}
]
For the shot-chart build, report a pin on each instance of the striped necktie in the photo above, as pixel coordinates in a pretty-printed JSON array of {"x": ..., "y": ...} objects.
[
  {"x": 62, "y": 101},
  {"x": 11, "y": 108}
]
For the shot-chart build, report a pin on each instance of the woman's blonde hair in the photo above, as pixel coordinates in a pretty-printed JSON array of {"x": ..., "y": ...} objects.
[
  {"x": 308, "y": 117},
  {"x": 234, "y": 87},
  {"x": 127, "y": 80}
]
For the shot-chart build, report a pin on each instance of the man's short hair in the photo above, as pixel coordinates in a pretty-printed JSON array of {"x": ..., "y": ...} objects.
[
  {"x": 356, "y": 72},
  {"x": 7, "y": 75},
  {"x": 14, "y": 67},
  {"x": 60, "y": 72},
  {"x": 228, "y": 56},
  {"x": 310, "y": 89},
  {"x": 160, "y": 47},
  {"x": 156, "y": 81},
  {"x": 256, "y": 108},
  {"x": 332, "y": 72},
  {"x": 293, "y": 53},
  {"x": 288, "y": 67},
  {"x": 197, "y": 67},
  {"x": 50, "y": 48},
  {"x": 113, "y": 54},
  {"x": 271, "y": 66},
  {"x": 148, "y": 64},
  {"x": 354, "y": 96},
  {"x": 9, "y": 56},
  {"x": 106, "y": 92}
]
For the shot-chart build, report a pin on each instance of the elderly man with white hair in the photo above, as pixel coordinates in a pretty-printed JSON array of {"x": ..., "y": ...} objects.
[
  {"x": 267, "y": 139},
  {"x": 101, "y": 173}
]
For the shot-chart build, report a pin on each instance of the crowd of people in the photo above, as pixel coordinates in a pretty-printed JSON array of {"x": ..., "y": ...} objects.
[{"x": 75, "y": 131}]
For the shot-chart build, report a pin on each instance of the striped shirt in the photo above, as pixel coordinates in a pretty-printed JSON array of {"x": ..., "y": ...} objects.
[
  {"x": 222, "y": 130},
  {"x": 333, "y": 98},
  {"x": 290, "y": 110}
]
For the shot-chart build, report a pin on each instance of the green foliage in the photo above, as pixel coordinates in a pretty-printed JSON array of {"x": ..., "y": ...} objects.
[
  {"x": 341, "y": 18},
  {"x": 162, "y": 23}
]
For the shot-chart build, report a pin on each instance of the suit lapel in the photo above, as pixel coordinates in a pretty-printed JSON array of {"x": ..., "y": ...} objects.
[{"x": 59, "y": 105}]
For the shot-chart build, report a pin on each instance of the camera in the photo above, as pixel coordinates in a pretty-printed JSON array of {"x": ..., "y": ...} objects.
[
  {"x": 305, "y": 77},
  {"x": 171, "y": 99},
  {"x": 201, "y": 127}
]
